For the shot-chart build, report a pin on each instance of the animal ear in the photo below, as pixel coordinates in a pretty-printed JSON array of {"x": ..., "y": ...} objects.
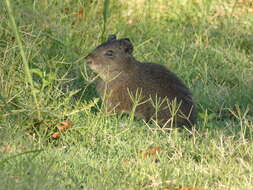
[
  {"x": 127, "y": 44},
  {"x": 111, "y": 37}
]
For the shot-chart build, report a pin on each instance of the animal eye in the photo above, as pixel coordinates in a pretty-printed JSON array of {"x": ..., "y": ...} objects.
[{"x": 109, "y": 53}]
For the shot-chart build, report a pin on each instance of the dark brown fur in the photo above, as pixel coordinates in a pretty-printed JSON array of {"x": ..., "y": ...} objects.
[{"x": 121, "y": 76}]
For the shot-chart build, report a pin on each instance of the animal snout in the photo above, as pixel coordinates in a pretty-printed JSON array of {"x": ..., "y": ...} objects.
[
  {"x": 89, "y": 58},
  {"x": 89, "y": 61}
]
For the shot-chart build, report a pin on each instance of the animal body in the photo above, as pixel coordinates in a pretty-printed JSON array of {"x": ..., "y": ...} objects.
[{"x": 154, "y": 92}]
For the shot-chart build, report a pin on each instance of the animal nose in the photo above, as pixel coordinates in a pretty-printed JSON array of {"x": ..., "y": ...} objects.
[
  {"x": 88, "y": 58},
  {"x": 88, "y": 61}
]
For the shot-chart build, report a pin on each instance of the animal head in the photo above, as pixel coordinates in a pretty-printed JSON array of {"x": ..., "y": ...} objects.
[{"x": 110, "y": 56}]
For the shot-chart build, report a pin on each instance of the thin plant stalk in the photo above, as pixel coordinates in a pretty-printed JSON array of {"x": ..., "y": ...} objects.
[
  {"x": 22, "y": 52},
  {"x": 106, "y": 14}
]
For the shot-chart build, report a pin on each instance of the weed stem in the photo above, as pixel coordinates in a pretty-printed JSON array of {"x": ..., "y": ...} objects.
[{"x": 22, "y": 52}]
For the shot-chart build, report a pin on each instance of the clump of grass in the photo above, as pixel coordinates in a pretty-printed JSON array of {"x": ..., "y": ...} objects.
[{"x": 25, "y": 62}]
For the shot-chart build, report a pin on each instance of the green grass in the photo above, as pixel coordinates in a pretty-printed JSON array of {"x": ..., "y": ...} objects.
[{"x": 209, "y": 44}]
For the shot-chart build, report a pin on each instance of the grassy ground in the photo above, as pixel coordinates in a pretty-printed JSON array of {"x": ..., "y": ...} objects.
[{"x": 208, "y": 43}]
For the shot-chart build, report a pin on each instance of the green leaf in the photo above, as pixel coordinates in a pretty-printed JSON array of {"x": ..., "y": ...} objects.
[{"x": 37, "y": 72}]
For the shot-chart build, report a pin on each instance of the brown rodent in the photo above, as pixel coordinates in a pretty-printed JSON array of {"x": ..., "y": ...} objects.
[{"x": 121, "y": 77}]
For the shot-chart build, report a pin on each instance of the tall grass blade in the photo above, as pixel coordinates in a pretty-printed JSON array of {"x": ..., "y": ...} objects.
[
  {"x": 106, "y": 14},
  {"x": 22, "y": 52}
]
